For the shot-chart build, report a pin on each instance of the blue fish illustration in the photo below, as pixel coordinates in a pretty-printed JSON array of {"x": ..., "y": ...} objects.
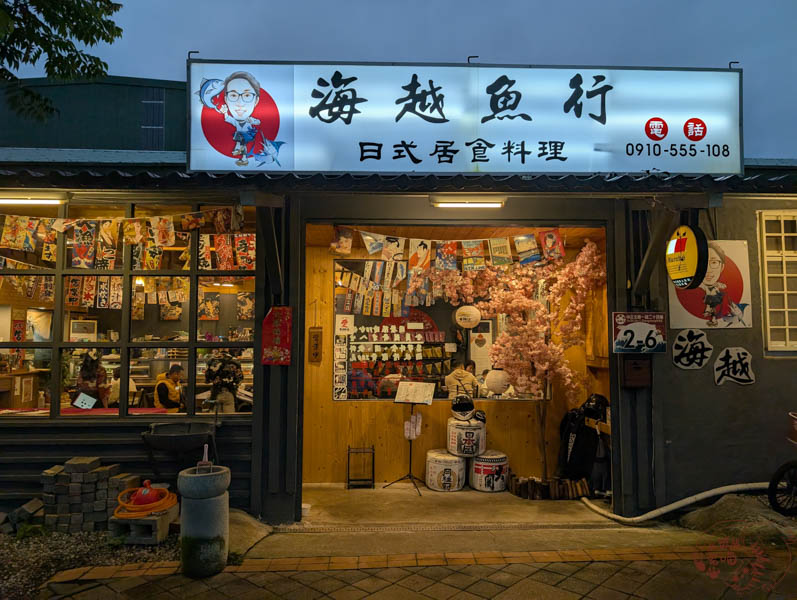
[
  {"x": 270, "y": 152},
  {"x": 208, "y": 89}
]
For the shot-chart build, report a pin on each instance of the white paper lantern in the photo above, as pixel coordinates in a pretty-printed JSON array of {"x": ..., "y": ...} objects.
[
  {"x": 467, "y": 317},
  {"x": 497, "y": 381}
]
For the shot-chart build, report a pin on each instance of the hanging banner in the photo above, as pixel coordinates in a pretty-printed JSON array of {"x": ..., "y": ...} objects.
[
  {"x": 393, "y": 248},
  {"x": 162, "y": 230},
  {"x": 473, "y": 255},
  {"x": 224, "y": 254},
  {"x": 245, "y": 254},
  {"x": 191, "y": 221},
  {"x": 526, "y": 246},
  {"x": 103, "y": 291},
  {"x": 500, "y": 252},
  {"x": 277, "y": 335},
  {"x": 425, "y": 118},
  {"x": 134, "y": 231},
  {"x": 83, "y": 244},
  {"x": 446, "y": 257}
]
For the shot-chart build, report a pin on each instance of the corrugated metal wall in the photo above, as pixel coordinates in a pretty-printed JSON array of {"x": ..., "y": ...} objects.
[{"x": 28, "y": 447}]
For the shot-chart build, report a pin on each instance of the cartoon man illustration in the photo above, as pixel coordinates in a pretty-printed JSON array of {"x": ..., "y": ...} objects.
[
  {"x": 236, "y": 98},
  {"x": 718, "y": 303},
  {"x": 241, "y": 93}
]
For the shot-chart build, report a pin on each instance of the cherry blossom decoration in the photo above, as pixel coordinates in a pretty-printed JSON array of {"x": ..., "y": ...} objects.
[{"x": 545, "y": 313}]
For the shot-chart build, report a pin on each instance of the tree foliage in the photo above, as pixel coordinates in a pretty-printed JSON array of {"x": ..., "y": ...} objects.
[{"x": 58, "y": 32}]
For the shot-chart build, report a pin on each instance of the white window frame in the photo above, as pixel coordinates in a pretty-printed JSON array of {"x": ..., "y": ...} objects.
[{"x": 778, "y": 244}]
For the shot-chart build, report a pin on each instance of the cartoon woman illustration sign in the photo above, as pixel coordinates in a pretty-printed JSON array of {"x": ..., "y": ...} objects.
[
  {"x": 723, "y": 298},
  {"x": 240, "y": 119}
]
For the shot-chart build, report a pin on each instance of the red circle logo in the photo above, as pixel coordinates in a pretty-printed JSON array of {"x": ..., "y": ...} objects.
[
  {"x": 695, "y": 129},
  {"x": 656, "y": 129},
  {"x": 219, "y": 133}
]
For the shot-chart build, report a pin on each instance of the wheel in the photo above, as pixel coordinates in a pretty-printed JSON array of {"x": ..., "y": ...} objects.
[{"x": 783, "y": 489}]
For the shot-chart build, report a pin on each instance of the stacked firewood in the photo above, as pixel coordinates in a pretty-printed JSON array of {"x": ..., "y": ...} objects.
[{"x": 532, "y": 488}]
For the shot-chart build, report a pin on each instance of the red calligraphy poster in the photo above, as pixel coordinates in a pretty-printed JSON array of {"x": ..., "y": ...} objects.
[{"x": 277, "y": 336}]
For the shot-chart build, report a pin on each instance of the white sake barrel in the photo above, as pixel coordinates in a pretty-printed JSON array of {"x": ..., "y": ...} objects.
[
  {"x": 466, "y": 438},
  {"x": 444, "y": 472},
  {"x": 487, "y": 473}
]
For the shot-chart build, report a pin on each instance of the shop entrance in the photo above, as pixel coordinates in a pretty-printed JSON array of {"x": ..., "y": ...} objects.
[{"x": 417, "y": 303}]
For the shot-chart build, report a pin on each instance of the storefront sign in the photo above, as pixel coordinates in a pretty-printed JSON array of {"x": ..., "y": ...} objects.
[
  {"x": 687, "y": 257},
  {"x": 639, "y": 333},
  {"x": 371, "y": 118}
]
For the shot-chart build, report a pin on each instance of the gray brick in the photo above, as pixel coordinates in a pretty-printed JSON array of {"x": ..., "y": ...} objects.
[
  {"x": 62, "y": 528},
  {"x": 88, "y": 526},
  {"x": 76, "y": 518},
  {"x": 86, "y": 488},
  {"x": 64, "y": 518},
  {"x": 82, "y": 464},
  {"x": 62, "y": 479},
  {"x": 77, "y": 477},
  {"x": 102, "y": 484},
  {"x": 91, "y": 477},
  {"x": 99, "y": 505},
  {"x": 87, "y": 497},
  {"x": 75, "y": 527},
  {"x": 101, "y": 495},
  {"x": 48, "y": 498},
  {"x": 74, "y": 489},
  {"x": 48, "y": 488},
  {"x": 49, "y": 475},
  {"x": 51, "y": 520}
]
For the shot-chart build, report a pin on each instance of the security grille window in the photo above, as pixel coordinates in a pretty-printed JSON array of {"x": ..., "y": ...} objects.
[
  {"x": 779, "y": 244},
  {"x": 154, "y": 119}
]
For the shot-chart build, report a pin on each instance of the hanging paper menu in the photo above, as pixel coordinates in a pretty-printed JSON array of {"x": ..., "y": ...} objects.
[
  {"x": 446, "y": 257},
  {"x": 500, "y": 252},
  {"x": 473, "y": 255},
  {"x": 526, "y": 246}
]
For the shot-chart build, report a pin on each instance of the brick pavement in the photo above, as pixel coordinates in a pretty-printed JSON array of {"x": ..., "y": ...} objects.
[{"x": 651, "y": 573}]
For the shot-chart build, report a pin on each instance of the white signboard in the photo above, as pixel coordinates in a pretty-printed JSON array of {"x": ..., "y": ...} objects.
[
  {"x": 414, "y": 392},
  {"x": 370, "y": 118}
]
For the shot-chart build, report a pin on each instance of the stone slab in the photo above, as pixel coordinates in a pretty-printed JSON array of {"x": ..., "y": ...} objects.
[{"x": 82, "y": 464}]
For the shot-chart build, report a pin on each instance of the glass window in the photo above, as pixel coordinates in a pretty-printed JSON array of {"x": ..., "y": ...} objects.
[
  {"x": 25, "y": 381},
  {"x": 231, "y": 393},
  {"x": 226, "y": 309},
  {"x": 160, "y": 237},
  {"x": 92, "y": 308},
  {"x": 28, "y": 242},
  {"x": 93, "y": 238},
  {"x": 159, "y": 309},
  {"x": 158, "y": 380},
  {"x": 87, "y": 381},
  {"x": 227, "y": 239},
  {"x": 778, "y": 262},
  {"x": 26, "y": 308}
]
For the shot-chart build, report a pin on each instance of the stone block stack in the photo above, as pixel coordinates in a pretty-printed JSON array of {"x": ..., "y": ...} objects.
[{"x": 78, "y": 495}]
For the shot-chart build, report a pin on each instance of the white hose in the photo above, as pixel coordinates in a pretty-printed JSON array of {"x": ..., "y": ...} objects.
[{"x": 728, "y": 489}]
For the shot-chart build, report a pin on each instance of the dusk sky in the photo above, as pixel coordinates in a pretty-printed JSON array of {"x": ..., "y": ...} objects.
[{"x": 678, "y": 33}]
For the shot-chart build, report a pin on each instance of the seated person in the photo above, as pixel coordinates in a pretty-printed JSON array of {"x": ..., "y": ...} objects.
[
  {"x": 92, "y": 379},
  {"x": 460, "y": 381},
  {"x": 168, "y": 391},
  {"x": 113, "y": 401}
]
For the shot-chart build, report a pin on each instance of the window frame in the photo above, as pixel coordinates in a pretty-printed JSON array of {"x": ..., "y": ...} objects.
[
  {"x": 63, "y": 269},
  {"x": 788, "y": 347}
]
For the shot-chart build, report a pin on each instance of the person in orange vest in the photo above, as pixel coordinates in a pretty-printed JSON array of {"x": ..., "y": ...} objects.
[{"x": 168, "y": 391}]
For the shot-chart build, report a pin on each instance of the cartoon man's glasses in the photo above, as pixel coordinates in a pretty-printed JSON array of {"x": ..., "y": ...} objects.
[{"x": 246, "y": 97}]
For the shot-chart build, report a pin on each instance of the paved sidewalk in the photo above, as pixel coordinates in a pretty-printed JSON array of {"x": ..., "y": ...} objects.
[{"x": 651, "y": 573}]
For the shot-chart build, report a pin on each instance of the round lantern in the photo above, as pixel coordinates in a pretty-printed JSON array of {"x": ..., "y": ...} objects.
[
  {"x": 497, "y": 381},
  {"x": 467, "y": 317}
]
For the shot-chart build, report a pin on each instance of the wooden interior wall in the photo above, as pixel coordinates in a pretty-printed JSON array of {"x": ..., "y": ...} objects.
[{"x": 512, "y": 426}]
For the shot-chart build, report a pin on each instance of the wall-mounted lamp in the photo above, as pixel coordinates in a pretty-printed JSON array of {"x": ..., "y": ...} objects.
[
  {"x": 465, "y": 201},
  {"x": 31, "y": 201}
]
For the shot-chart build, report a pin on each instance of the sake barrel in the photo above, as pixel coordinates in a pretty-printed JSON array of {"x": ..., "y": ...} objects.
[
  {"x": 487, "y": 473},
  {"x": 466, "y": 438},
  {"x": 444, "y": 472}
]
